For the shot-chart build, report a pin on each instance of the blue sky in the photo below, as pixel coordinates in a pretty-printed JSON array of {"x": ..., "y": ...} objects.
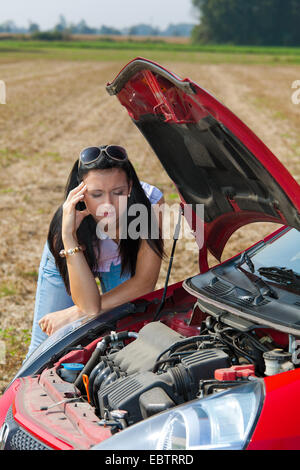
[{"x": 117, "y": 13}]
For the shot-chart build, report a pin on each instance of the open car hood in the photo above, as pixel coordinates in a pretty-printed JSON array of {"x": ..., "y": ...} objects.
[{"x": 211, "y": 156}]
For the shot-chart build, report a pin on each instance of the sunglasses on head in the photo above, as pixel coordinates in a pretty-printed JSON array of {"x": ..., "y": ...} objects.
[{"x": 93, "y": 154}]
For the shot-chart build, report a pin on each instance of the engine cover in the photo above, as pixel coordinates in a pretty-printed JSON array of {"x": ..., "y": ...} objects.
[{"x": 141, "y": 354}]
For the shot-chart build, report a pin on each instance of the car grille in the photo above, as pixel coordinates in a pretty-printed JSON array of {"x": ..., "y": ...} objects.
[
  {"x": 227, "y": 292},
  {"x": 18, "y": 438},
  {"x": 218, "y": 288}
]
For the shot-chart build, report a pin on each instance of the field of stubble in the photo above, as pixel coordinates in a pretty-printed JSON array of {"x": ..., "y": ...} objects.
[{"x": 55, "y": 108}]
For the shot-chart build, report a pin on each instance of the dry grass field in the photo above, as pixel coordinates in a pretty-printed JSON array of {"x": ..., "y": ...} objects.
[{"x": 55, "y": 108}]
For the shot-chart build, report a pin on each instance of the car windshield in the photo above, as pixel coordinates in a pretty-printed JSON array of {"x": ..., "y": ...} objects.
[
  {"x": 278, "y": 261},
  {"x": 283, "y": 252}
]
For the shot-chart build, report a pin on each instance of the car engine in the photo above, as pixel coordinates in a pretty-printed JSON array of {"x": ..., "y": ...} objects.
[
  {"x": 132, "y": 376},
  {"x": 158, "y": 370}
]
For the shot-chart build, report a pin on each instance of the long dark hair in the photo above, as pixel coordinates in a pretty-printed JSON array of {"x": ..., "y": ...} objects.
[{"x": 86, "y": 233}]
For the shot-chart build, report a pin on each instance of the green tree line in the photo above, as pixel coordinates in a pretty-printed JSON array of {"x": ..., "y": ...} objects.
[
  {"x": 248, "y": 22},
  {"x": 63, "y": 29}
]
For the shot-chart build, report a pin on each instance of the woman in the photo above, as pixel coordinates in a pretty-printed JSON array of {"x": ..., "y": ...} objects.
[{"x": 96, "y": 242}]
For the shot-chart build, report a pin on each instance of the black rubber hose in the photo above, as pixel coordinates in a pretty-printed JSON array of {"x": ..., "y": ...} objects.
[
  {"x": 182, "y": 342},
  {"x": 92, "y": 362},
  {"x": 97, "y": 353},
  {"x": 92, "y": 377}
]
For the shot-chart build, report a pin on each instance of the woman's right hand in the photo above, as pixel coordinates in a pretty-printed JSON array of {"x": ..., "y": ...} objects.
[
  {"x": 51, "y": 322},
  {"x": 72, "y": 218}
]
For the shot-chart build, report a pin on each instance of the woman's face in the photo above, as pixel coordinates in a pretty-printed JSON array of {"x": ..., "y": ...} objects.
[{"x": 106, "y": 194}]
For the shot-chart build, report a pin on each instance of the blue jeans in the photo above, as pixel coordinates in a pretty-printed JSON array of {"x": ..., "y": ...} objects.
[{"x": 51, "y": 294}]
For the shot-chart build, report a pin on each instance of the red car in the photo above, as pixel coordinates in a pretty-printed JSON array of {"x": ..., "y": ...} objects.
[{"x": 207, "y": 363}]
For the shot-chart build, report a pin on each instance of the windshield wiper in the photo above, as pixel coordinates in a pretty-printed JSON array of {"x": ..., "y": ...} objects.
[
  {"x": 245, "y": 258},
  {"x": 262, "y": 287},
  {"x": 281, "y": 275}
]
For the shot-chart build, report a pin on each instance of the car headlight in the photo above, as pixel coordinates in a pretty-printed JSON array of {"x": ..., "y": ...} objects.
[{"x": 224, "y": 420}]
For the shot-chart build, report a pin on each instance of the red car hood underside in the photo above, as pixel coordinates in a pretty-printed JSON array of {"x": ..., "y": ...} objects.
[{"x": 210, "y": 155}]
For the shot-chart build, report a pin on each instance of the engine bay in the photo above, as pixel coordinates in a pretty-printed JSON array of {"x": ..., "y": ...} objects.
[
  {"x": 124, "y": 377},
  {"x": 161, "y": 368},
  {"x": 158, "y": 370}
]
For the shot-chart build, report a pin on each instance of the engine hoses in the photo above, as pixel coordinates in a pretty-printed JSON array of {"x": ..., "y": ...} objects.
[{"x": 99, "y": 350}]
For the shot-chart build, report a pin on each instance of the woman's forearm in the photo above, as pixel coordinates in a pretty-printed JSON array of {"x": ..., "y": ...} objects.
[
  {"x": 84, "y": 290},
  {"x": 125, "y": 292},
  {"x": 74, "y": 312}
]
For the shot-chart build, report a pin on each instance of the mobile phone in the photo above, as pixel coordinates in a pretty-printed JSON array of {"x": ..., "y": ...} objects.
[{"x": 80, "y": 206}]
